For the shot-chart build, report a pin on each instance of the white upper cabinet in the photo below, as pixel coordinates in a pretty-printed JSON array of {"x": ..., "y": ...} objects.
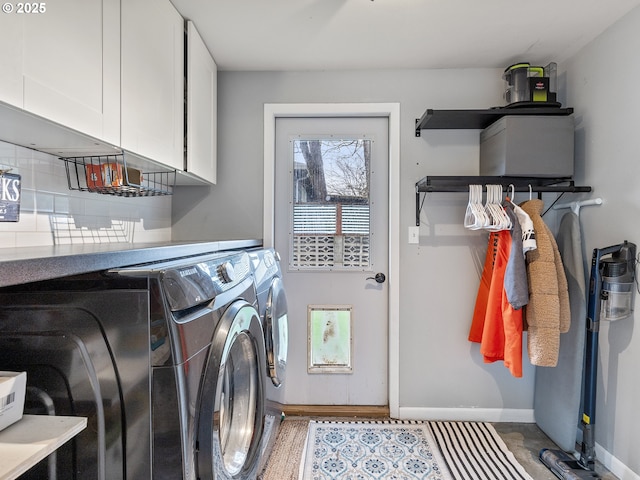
[
  {"x": 63, "y": 64},
  {"x": 153, "y": 81},
  {"x": 94, "y": 77},
  {"x": 11, "y": 34},
  {"x": 202, "y": 77}
]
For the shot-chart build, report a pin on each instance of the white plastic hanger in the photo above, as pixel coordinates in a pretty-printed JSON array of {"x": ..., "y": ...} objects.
[
  {"x": 469, "y": 215},
  {"x": 493, "y": 207},
  {"x": 493, "y": 224},
  {"x": 475, "y": 218},
  {"x": 506, "y": 221}
]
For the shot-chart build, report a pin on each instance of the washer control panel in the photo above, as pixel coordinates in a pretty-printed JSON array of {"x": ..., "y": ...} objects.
[
  {"x": 192, "y": 281},
  {"x": 226, "y": 272}
]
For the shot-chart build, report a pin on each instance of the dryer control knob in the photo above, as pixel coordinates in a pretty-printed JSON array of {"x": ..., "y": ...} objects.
[{"x": 226, "y": 272}]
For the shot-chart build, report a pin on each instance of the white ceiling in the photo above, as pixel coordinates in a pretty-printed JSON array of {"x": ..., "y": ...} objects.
[{"x": 381, "y": 34}]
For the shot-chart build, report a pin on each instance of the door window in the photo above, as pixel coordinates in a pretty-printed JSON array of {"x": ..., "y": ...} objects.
[{"x": 331, "y": 208}]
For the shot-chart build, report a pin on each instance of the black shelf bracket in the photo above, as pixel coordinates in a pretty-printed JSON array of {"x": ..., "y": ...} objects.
[{"x": 520, "y": 184}]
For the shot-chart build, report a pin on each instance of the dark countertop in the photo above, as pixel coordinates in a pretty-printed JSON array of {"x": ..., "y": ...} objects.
[{"x": 30, "y": 264}]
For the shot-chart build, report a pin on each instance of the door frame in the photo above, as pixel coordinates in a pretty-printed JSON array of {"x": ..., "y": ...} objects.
[{"x": 392, "y": 112}]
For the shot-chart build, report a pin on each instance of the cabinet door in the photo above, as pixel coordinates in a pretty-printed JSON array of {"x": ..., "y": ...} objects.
[
  {"x": 202, "y": 77},
  {"x": 11, "y": 32},
  {"x": 63, "y": 64},
  {"x": 153, "y": 81}
]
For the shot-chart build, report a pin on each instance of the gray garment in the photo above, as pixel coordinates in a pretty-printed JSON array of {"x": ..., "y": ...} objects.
[
  {"x": 558, "y": 390},
  {"x": 516, "y": 285}
]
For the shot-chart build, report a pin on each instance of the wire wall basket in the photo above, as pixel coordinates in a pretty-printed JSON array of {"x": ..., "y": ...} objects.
[{"x": 110, "y": 175}]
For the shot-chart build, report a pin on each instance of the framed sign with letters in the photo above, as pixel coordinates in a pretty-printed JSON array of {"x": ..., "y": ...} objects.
[{"x": 9, "y": 197}]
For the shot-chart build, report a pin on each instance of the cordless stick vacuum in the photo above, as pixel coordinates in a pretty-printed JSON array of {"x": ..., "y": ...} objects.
[{"x": 610, "y": 294}]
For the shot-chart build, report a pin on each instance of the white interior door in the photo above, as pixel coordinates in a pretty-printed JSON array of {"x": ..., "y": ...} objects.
[{"x": 331, "y": 229}]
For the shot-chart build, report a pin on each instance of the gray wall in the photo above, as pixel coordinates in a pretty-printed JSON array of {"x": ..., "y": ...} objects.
[
  {"x": 439, "y": 369},
  {"x": 602, "y": 85}
]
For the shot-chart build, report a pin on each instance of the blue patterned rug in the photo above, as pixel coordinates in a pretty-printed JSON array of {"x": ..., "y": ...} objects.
[{"x": 407, "y": 450}]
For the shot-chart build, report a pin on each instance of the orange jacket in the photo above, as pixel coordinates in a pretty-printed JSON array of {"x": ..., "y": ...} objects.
[{"x": 496, "y": 325}]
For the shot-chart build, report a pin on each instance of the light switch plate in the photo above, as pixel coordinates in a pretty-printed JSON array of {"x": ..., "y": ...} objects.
[{"x": 414, "y": 234}]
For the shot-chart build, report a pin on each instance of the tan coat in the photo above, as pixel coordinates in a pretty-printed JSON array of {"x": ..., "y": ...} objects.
[{"x": 548, "y": 313}]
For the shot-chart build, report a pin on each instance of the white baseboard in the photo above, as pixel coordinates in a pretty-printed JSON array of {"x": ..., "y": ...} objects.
[
  {"x": 615, "y": 466},
  {"x": 468, "y": 414}
]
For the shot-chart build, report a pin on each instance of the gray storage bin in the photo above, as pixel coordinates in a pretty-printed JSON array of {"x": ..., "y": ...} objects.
[{"x": 528, "y": 146}]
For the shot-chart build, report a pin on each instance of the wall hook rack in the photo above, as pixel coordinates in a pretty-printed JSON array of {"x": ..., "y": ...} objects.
[{"x": 519, "y": 184}]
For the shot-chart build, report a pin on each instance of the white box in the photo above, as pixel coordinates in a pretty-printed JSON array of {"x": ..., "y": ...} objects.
[{"x": 12, "y": 390}]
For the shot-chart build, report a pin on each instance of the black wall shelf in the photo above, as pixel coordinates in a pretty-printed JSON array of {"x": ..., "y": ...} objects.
[
  {"x": 520, "y": 184},
  {"x": 478, "y": 119}
]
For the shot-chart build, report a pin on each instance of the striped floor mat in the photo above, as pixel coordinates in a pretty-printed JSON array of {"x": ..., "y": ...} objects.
[{"x": 407, "y": 450}]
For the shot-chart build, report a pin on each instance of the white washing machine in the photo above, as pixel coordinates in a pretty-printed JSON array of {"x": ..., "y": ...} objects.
[{"x": 272, "y": 305}]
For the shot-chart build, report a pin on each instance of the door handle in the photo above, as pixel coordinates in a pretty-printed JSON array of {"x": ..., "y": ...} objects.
[{"x": 380, "y": 277}]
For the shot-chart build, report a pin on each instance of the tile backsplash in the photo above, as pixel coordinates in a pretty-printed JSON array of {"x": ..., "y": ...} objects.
[{"x": 52, "y": 214}]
